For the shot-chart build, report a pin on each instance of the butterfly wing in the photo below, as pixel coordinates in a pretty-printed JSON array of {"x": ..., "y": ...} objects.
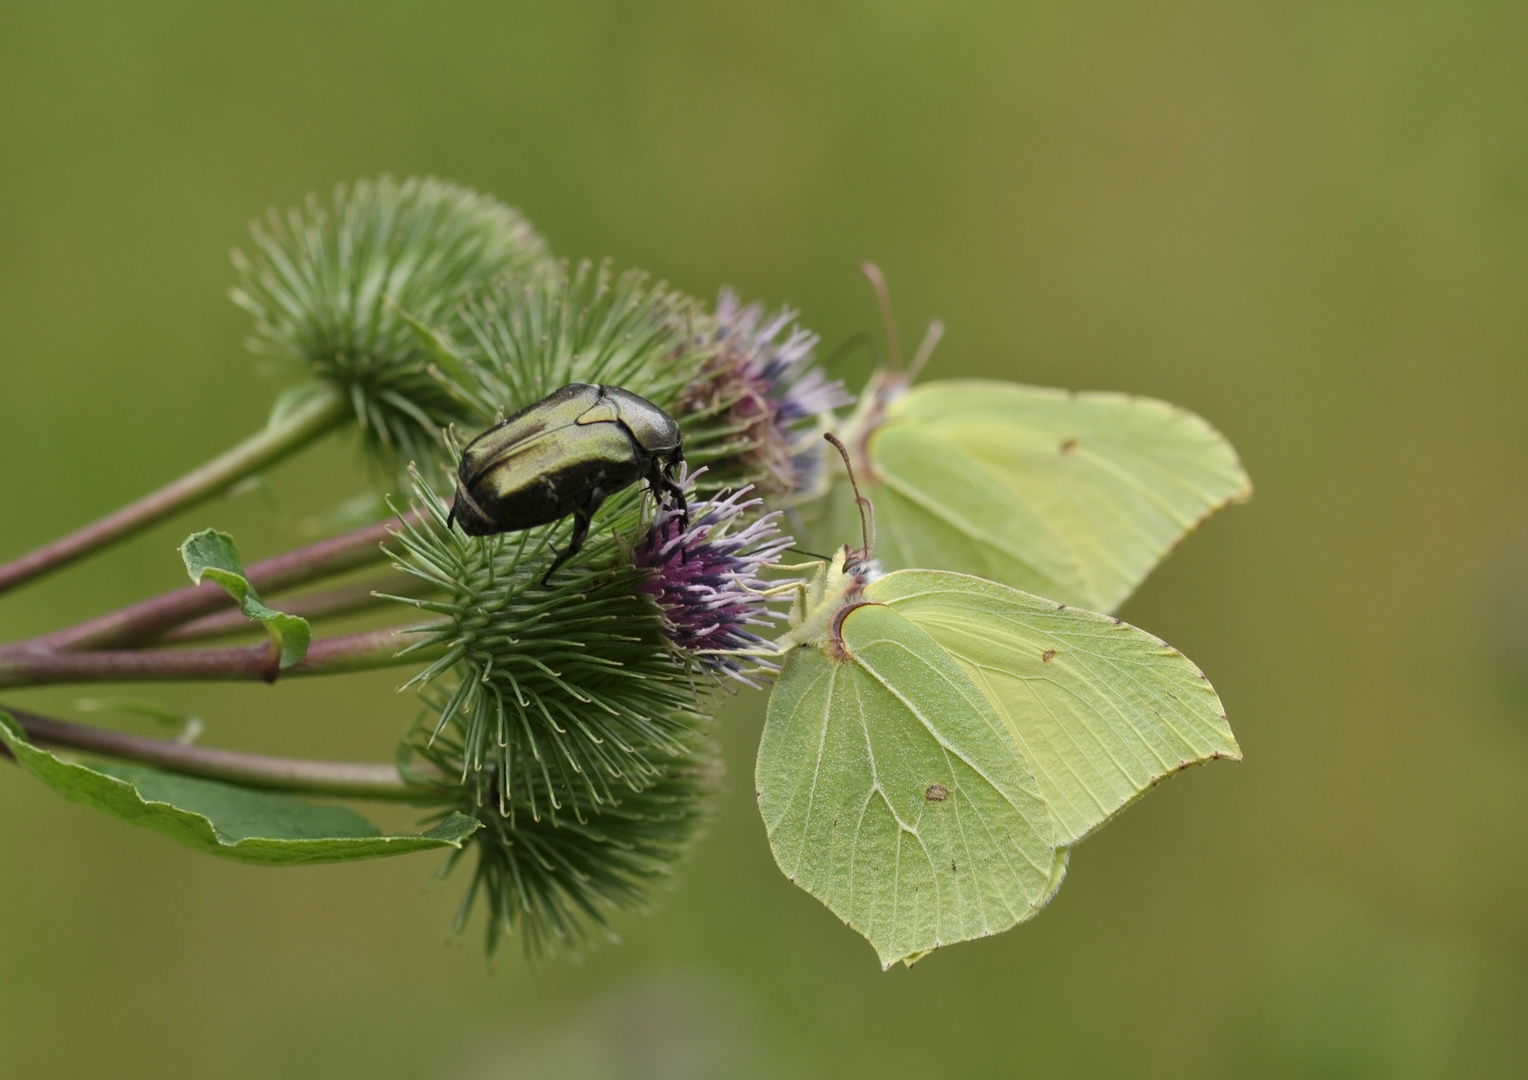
[
  {"x": 1068, "y": 495},
  {"x": 893, "y": 792},
  {"x": 1102, "y": 711}
]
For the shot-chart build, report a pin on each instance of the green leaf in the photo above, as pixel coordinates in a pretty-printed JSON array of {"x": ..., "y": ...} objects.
[
  {"x": 893, "y": 793},
  {"x": 222, "y": 819},
  {"x": 1102, "y": 710},
  {"x": 212, "y": 554},
  {"x": 1067, "y": 495}
]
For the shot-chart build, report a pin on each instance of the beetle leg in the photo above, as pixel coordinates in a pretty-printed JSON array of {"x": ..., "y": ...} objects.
[
  {"x": 668, "y": 485},
  {"x": 666, "y": 481},
  {"x": 661, "y": 482},
  {"x": 581, "y": 519}
]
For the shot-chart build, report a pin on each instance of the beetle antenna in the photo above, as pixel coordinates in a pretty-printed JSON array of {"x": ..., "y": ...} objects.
[
  {"x": 925, "y": 350},
  {"x": 883, "y": 299},
  {"x": 866, "y": 507}
]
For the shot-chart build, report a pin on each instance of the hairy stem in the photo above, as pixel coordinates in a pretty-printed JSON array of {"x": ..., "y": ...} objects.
[
  {"x": 341, "y": 779},
  {"x": 316, "y": 416},
  {"x": 326, "y": 656},
  {"x": 149, "y": 620}
]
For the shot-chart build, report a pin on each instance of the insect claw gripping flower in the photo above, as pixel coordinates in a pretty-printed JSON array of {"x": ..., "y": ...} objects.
[
  {"x": 707, "y": 579},
  {"x": 761, "y": 389}
]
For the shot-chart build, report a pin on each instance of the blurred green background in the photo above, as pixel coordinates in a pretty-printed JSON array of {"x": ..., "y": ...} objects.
[{"x": 1304, "y": 220}]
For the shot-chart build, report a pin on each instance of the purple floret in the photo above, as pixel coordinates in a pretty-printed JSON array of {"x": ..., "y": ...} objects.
[
  {"x": 764, "y": 369},
  {"x": 707, "y": 580}
]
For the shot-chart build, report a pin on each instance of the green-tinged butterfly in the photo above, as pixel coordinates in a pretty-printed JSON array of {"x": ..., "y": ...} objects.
[
  {"x": 936, "y": 743},
  {"x": 1069, "y": 495}
]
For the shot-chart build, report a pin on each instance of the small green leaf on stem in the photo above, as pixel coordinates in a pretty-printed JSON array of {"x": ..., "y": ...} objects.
[
  {"x": 224, "y": 819},
  {"x": 212, "y": 554}
]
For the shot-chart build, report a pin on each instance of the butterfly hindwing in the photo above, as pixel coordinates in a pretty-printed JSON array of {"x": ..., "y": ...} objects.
[{"x": 1100, "y": 710}]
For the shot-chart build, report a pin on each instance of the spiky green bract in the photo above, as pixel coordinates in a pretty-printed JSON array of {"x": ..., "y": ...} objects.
[
  {"x": 528, "y": 338},
  {"x": 564, "y": 696},
  {"x": 329, "y": 287},
  {"x": 555, "y": 881}
]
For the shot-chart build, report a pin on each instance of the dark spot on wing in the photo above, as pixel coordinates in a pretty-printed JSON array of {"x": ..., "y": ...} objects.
[
  {"x": 1068, "y": 445},
  {"x": 1047, "y": 655},
  {"x": 936, "y": 793}
]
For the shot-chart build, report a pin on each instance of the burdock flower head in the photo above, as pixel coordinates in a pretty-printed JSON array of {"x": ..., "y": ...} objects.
[
  {"x": 567, "y": 711},
  {"x": 559, "y": 714},
  {"x": 707, "y": 579},
  {"x": 762, "y": 387},
  {"x": 336, "y": 288}
]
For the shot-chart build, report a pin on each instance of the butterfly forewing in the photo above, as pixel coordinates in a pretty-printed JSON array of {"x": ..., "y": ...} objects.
[
  {"x": 1071, "y": 496},
  {"x": 894, "y": 793}
]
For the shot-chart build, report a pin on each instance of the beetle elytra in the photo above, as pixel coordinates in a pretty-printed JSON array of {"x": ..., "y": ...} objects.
[{"x": 566, "y": 454}]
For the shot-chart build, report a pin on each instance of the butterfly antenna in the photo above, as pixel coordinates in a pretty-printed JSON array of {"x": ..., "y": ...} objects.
[
  {"x": 883, "y": 298},
  {"x": 848, "y": 346},
  {"x": 925, "y": 350},
  {"x": 866, "y": 507}
]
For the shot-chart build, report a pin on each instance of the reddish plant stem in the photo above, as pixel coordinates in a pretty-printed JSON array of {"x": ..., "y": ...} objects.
[
  {"x": 351, "y": 652},
  {"x": 325, "y": 411},
  {"x": 144, "y": 622},
  {"x": 343, "y": 779}
]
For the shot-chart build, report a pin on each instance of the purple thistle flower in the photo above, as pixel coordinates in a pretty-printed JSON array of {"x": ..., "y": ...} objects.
[
  {"x": 763, "y": 378},
  {"x": 707, "y": 579}
]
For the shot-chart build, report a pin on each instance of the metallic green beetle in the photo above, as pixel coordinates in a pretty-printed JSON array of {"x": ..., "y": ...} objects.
[{"x": 565, "y": 455}]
